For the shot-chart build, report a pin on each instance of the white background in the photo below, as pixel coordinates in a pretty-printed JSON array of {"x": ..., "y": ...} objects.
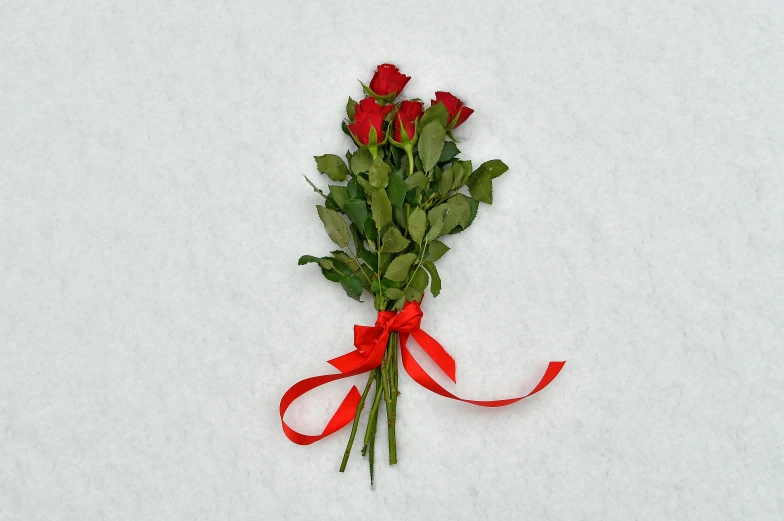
[{"x": 152, "y": 210}]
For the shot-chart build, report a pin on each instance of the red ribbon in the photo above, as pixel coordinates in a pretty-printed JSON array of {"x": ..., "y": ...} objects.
[{"x": 370, "y": 343}]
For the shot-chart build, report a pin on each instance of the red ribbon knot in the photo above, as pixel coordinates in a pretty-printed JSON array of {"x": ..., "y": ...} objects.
[{"x": 370, "y": 343}]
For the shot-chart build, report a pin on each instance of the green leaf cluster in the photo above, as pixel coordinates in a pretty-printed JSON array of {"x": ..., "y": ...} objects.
[{"x": 389, "y": 226}]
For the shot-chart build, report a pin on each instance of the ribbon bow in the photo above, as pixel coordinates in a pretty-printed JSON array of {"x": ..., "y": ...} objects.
[{"x": 370, "y": 343}]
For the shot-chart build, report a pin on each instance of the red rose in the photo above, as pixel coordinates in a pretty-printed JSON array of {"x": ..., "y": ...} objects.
[
  {"x": 406, "y": 117},
  {"x": 369, "y": 114},
  {"x": 388, "y": 80},
  {"x": 453, "y": 106}
]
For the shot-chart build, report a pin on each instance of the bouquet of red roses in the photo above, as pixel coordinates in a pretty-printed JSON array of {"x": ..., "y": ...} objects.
[{"x": 403, "y": 194}]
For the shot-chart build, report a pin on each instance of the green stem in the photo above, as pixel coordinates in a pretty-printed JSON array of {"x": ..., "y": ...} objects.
[
  {"x": 418, "y": 264},
  {"x": 394, "y": 395},
  {"x": 361, "y": 266},
  {"x": 408, "y": 214},
  {"x": 395, "y": 392},
  {"x": 410, "y": 154},
  {"x": 387, "y": 372},
  {"x": 371, "y": 426},
  {"x": 439, "y": 200},
  {"x": 370, "y": 434},
  {"x": 371, "y": 457},
  {"x": 383, "y": 300},
  {"x": 356, "y": 422}
]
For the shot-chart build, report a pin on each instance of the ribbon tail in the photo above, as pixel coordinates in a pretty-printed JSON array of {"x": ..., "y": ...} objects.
[
  {"x": 436, "y": 352},
  {"x": 347, "y": 362},
  {"x": 419, "y": 375},
  {"x": 342, "y": 417}
]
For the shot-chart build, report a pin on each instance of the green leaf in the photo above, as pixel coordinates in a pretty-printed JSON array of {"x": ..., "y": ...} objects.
[
  {"x": 307, "y": 259},
  {"x": 386, "y": 283},
  {"x": 333, "y": 275},
  {"x": 436, "y": 218},
  {"x": 396, "y": 154},
  {"x": 354, "y": 190},
  {"x": 495, "y": 167},
  {"x": 371, "y": 232},
  {"x": 462, "y": 173},
  {"x": 399, "y": 213},
  {"x": 339, "y": 194},
  {"x": 342, "y": 270},
  {"x": 394, "y": 241},
  {"x": 383, "y": 261},
  {"x": 435, "y": 280},
  {"x": 459, "y": 212},
  {"x": 397, "y": 189},
  {"x": 361, "y": 161},
  {"x": 365, "y": 184},
  {"x": 417, "y": 225},
  {"x": 356, "y": 209},
  {"x": 393, "y": 293},
  {"x": 413, "y": 294},
  {"x": 399, "y": 303},
  {"x": 420, "y": 280},
  {"x": 357, "y": 235},
  {"x": 370, "y": 258},
  {"x": 431, "y": 143},
  {"x": 335, "y": 225},
  {"x": 379, "y": 173},
  {"x": 381, "y": 208},
  {"x": 445, "y": 184},
  {"x": 481, "y": 187},
  {"x": 437, "y": 112},
  {"x": 345, "y": 259},
  {"x": 473, "y": 206},
  {"x": 416, "y": 180},
  {"x": 351, "y": 107},
  {"x": 315, "y": 188},
  {"x": 435, "y": 230},
  {"x": 435, "y": 250},
  {"x": 363, "y": 276},
  {"x": 332, "y": 165},
  {"x": 330, "y": 203},
  {"x": 340, "y": 267},
  {"x": 398, "y": 268},
  {"x": 412, "y": 196},
  {"x": 352, "y": 286},
  {"x": 450, "y": 150}
]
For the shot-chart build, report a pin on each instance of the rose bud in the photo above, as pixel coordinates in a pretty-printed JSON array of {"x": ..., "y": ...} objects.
[
  {"x": 406, "y": 119},
  {"x": 405, "y": 128},
  {"x": 368, "y": 122},
  {"x": 458, "y": 112},
  {"x": 388, "y": 82}
]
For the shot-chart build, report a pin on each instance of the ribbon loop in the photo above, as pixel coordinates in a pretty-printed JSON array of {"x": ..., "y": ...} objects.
[{"x": 371, "y": 343}]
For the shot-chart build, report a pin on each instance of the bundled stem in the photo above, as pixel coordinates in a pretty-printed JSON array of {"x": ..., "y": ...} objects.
[
  {"x": 356, "y": 420},
  {"x": 395, "y": 392},
  {"x": 386, "y": 379},
  {"x": 371, "y": 426},
  {"x": 370, "y": 434},
  {"x": 387, "y": 370}
]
